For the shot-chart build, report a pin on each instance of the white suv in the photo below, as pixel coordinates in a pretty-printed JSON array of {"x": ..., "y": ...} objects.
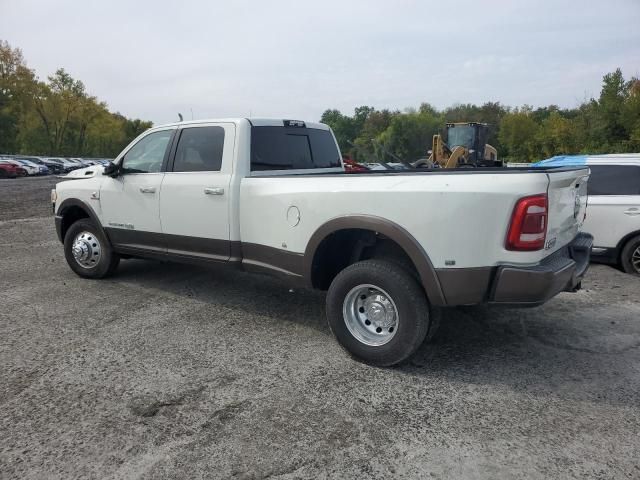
[{"x": 613, "y": 213}]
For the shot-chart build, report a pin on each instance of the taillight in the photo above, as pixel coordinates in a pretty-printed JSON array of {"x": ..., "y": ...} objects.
[{"x": 528, "y": 228}]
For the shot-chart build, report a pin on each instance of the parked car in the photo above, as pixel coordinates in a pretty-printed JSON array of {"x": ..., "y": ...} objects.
[
  {"x": 272, "y": 196},
  {"x": 381, "y": 167},
  {"x": 30, "y": 169},
  {"x": 83, "y": 161},
  {"x": 53, "y": 167},
  {"x": 10, "y": 169},
  {"x": 75, "y": 162},
  {"x": 66, "y": 165},
  {"x": 613, "y": 214},
  {"x": 41, "y": 169}
]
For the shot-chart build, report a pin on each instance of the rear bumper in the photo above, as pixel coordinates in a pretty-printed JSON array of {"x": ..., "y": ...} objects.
[
  {"x": 560, "y": 272},
  {"x": 533, "y": 285}
]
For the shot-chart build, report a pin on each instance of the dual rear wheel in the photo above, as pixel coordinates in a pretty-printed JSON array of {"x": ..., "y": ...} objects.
[{"x": 378, "y": 312}]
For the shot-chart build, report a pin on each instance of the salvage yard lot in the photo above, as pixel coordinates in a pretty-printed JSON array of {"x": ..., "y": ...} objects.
[{"x": 178, "y": 371}]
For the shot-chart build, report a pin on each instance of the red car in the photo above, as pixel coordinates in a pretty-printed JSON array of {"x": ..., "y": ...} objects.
[
  {"x": 351, "y": 166},
  {"x": 9, "y": 170}
]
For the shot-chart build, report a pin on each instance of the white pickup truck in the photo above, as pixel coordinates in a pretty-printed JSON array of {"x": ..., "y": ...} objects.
[{"x": 390, "y": 247}]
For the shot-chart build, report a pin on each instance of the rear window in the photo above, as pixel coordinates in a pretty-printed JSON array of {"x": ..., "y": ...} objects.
[
  {"x": 292, "y": 148},
  {"x": 614, "y": 180}
]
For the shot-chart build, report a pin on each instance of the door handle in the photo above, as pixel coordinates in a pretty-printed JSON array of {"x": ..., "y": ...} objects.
[
  {"x": 632, "y": 212},
  {"x": 214, "y": 191},
  {"x": 148, "y": 189}
]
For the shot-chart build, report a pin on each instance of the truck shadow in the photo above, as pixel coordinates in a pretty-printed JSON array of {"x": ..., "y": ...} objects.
[
  {"x": 231, "y": 288},
  {"x": 576, "y": 346}
]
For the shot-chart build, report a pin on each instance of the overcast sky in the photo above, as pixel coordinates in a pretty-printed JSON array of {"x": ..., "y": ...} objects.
[{"x": 294, "y": 59}]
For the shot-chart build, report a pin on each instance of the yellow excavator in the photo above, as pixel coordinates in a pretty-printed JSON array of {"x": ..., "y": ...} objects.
[{"x": 466, "y": 146}]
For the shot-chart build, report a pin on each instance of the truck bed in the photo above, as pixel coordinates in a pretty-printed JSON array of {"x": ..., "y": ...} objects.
[{"x": 422, "y": 171}]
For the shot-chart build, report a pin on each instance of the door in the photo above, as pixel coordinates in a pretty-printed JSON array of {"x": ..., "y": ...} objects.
[
  {"x": 194, "y": 198},
  {"x": 614, "y": 203},
  {"x": 130, "y": 202}
]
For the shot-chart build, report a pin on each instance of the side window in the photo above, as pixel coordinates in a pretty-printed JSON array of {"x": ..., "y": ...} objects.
[
  {"x": 614, "y": 180},
  {"x": 147, "y": 155},
  {"x": 199, "y": 150}
]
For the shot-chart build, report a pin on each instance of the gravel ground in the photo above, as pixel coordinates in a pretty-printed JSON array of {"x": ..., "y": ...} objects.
[
  {"x": 26, "y": 197},
  {"x": 171, "y": 371}
]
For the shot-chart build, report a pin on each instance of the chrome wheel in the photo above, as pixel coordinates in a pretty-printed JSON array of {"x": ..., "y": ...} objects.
[
  {"x": 635, "y": 259},
  {"x": 370, "y": 315},
  {"x": 86, "y": 250}
]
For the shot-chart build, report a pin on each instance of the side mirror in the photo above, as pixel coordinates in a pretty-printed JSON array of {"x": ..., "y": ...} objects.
[{"x": 112, "y": 170}]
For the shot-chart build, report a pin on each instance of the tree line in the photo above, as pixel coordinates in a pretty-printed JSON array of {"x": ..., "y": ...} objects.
[
  {"x": 607, "y": 124},
  {"x": 57, "y": 117}
]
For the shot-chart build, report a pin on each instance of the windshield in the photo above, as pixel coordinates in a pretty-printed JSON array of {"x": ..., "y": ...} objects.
[{"x": 460, "y": 135}]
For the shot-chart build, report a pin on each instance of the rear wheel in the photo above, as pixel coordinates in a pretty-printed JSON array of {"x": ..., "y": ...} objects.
[
  {"x": 88, "y": 252},
  {"x": 378, "y": 312},
  {"x": 630, "y": 256}
]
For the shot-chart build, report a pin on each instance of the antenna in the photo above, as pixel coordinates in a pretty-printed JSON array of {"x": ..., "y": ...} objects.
[
  {"x": 191, "y": 113},
  {"x": 180, "y": 117}
]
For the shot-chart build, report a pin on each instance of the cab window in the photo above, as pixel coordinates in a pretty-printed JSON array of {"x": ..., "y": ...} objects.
[
  {"x": 147, "y": 155},
  {"x": 199, "y": 150}
]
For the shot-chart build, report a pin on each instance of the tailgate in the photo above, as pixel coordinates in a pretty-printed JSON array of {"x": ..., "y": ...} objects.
[{"x": 567, "y": 193}]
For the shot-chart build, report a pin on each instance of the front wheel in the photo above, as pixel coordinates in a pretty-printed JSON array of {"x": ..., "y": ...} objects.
[
  {"x": 88, "y": 252},
  {"x": 378, "y": 312},
  {"x": 630, "y": 256}
]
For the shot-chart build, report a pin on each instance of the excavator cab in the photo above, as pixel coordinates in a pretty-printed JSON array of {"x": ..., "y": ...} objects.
[{"x": 472, "y": 136}]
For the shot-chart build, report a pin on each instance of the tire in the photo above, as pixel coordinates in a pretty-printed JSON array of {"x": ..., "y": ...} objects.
[
  {"x": 630, "y": 256},
  {"x": 371, "y": 291},
  {"x": 90, "y": 240}
]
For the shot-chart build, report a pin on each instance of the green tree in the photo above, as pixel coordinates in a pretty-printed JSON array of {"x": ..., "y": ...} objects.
[
  {"x": 610, "y": 106},
  {"x": 517, "y": 136},
  {"x": 57, "y": 117},
  {"x": 17, "y": 85},
  {"x": 377, "y": 122},
  {"x": 556, "y": 136},
  {"x": 409, "y": 136}
]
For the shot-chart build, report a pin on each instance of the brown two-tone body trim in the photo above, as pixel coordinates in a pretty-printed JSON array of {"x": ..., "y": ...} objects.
[
  {"x": 444, "y": 287},
  {"x": 465, "y": 286},
  {"x": 282, "y": 263},
  {"x": 174, "y": 247}
]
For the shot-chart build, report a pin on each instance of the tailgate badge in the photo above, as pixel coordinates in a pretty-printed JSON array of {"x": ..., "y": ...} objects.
[{"x": 550, "y": 243}]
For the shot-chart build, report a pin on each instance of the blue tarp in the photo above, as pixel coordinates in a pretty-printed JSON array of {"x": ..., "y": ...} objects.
[{"x": 562, "y": 161}]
